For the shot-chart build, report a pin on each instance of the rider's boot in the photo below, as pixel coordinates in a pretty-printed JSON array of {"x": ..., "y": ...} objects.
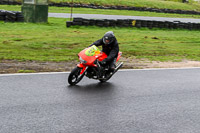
[{"x": 112, "y": 66}]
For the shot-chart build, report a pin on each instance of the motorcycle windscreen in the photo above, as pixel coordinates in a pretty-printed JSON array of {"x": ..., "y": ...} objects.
[{"x": 92, "y": 51}]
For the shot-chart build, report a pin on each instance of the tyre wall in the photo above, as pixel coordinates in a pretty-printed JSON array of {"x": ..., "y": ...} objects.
[
  {"x": 133, "y": 23},
  {"x": 11, "y": 16}
]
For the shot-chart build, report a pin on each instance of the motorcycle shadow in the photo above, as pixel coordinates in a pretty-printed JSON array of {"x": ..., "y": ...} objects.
[{"x": 94, "y": 87}]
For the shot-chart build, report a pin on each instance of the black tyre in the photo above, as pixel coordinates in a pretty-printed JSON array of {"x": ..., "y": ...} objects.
[
  {"x": 106, "y": 79},
  {"x": 74, "y": 76},
  {"x": 116, "y": 69}
]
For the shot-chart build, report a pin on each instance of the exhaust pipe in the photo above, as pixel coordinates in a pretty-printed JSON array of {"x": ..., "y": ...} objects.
[{"x": 118, "y": 66}]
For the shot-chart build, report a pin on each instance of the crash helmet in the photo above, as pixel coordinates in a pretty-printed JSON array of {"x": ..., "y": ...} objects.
[{"x": 108, "y": 37}]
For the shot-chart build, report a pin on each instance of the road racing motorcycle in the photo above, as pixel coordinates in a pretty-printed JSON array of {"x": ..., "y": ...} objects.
[{"x": 91, "y": 67}]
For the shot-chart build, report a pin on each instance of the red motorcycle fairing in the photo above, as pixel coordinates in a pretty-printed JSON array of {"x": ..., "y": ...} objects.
[
  {"x": 84, "y": 66},
  {"x": 90, "y": 59},
  {"x": 119, "y": 55},
  {"x": 87, "y": 59}
]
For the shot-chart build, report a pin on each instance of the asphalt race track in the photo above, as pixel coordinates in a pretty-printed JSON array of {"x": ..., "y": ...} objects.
[
  {"x": 101, "y": 16},
  {"x": 135, "y": 101}
]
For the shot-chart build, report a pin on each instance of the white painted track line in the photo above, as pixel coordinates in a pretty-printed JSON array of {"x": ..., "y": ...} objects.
[
  {"x": 122, "y": 70},
  {"x": 42, "y": 73}
]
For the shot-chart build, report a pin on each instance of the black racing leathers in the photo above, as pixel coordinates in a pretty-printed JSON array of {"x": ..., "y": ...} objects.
[{"x": 111, "y": 49}]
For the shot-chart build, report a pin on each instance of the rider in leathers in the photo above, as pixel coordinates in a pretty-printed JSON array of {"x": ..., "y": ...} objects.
[{"x": 110, "y": 47}]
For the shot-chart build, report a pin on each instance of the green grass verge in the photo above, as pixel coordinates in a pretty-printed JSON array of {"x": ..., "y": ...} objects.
[
  {"x": 140, "y": 3},
  {"x": 100, "y": 11},
  {"x": 55, "y": 42},
  {"x": 161, "y": 4}
]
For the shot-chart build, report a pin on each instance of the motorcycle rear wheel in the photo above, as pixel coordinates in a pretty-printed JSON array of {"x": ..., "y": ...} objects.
[
  {"x": 74, "y": 76},
  {"x": 103, "y": 80},
  {"x": 116, "y": 69},
  {"x": 106, "y": 79}
]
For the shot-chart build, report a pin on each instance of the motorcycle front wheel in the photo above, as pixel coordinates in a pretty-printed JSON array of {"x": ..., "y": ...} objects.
[{"x": 75, "y": 76}]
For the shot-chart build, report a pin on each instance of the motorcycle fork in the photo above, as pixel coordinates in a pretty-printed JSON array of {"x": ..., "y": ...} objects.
[{"x": 84, "y": 68}]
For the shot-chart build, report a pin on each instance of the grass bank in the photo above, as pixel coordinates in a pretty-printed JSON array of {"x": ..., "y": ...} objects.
[
  {"x": 161, "y": 4},
  {"x": 55, "y": 42},
  {"x": 101, "y": 11}
]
